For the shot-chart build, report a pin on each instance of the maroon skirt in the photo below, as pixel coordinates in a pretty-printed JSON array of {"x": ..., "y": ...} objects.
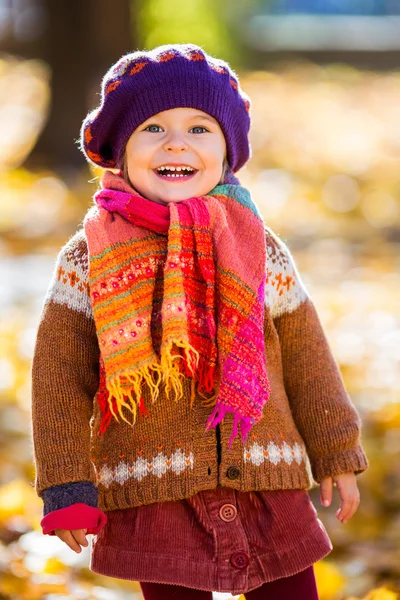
[{"x": 220, "y": 540}]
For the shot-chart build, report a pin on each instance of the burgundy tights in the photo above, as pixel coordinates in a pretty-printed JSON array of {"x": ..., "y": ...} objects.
[{"x": 301, "y": 586}]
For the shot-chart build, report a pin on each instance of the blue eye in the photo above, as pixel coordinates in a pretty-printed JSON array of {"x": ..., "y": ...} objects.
[
  {"x": 198, "y": 127},
  {"x": 148, "y": 127}
]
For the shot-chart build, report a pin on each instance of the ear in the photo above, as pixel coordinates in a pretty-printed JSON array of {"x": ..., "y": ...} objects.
[
  {"x": 225, "y": 168},
  {"x": 123, "y": 166}
]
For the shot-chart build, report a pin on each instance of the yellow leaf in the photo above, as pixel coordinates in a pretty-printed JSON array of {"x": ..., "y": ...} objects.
[
  {"x": 329, "y": 579},
  {"x": 54, "y": 566},
  {"x": 13, "y": 498},
  {"x": 381, "y": 594}
]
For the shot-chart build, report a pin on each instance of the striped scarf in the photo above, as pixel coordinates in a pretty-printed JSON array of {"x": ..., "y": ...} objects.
[{"x": 178, "y": 290}]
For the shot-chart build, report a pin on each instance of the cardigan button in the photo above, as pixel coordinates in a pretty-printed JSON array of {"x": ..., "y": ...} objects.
[
  {"x": 228, "y": 512},
  {"x": 233, "y": 473},
  {"x": 240, "y": 560}
]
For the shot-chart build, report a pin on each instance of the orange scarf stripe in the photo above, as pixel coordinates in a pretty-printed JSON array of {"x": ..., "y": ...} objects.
[
  {"x": 173, "y": 304},
  {"x": 147, "y": 250}
]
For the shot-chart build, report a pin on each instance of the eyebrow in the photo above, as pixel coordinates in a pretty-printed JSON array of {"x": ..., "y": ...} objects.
[
  {"x": 202, "y": 117},
  {"x": 191, "y": 118}
]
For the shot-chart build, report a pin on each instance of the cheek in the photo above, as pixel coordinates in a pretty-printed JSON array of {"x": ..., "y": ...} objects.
[
  {"x": 139, "y": 155},
  {"x": 216, "y": 154},
  {"x": 214, "y": 157}
]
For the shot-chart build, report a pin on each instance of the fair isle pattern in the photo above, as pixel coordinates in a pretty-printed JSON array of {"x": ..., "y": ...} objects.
[
  {"x": 285, "y": 289},
  {"x": 69, "y": 283},
  {"x": 177, "y": 462},
  {"x": 132, "y": 64},
  {"x": 257, "y": 453}
]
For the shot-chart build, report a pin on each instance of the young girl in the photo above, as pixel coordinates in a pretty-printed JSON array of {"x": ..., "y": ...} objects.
[{"x": 185, "y": 398}]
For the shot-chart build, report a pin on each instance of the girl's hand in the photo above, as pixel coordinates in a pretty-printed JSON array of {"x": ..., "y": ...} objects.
[
  {"x": 72, "y": 538},
  {"x": 349, "y": 494}
]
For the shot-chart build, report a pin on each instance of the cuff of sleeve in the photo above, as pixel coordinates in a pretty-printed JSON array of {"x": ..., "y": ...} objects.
[
  {"x": 67, "y": 494},
  {"x": 76, "y": 516},
  {"x": 347, "y": 461}
]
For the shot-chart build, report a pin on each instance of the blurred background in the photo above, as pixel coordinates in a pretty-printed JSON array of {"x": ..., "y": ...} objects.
[{"x": 324, "y": 80}]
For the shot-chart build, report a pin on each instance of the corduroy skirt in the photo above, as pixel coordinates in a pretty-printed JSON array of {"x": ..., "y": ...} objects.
[{"x": 220, "y": 540}]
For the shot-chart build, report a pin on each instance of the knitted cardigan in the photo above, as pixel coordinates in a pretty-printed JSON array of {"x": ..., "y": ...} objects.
[{"x": 310, "y": 428}]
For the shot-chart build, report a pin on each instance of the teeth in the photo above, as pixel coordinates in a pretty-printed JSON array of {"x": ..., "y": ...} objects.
[
  {"x": 173, "y": 175},
  {"x": 188, "y": 169}
]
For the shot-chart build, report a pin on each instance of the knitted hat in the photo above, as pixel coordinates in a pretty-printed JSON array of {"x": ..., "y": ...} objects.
[{"x": 142, "y": 84}]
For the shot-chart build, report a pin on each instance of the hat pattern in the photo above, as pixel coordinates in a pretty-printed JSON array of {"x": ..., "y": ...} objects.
[{"x": 142, "y": 83}]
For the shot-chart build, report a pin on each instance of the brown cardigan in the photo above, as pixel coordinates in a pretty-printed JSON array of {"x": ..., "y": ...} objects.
[{"x": 310, "y": 427}]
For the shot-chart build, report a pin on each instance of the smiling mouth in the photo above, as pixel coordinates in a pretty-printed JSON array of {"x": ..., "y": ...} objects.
[{"x": 176, "y": 174}]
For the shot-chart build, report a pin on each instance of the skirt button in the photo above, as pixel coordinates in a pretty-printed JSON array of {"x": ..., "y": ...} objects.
[
  {"x": 228, "y": 512},
  {"x": 240, "y": 560}
]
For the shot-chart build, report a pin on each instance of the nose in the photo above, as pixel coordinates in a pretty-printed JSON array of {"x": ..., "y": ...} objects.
[{"x": 175, "y": 142}]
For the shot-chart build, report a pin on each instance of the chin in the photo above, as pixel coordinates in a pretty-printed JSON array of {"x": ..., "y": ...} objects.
[
  {"x": 174, "y": 197},
  {"x": 168, "y": 200}
]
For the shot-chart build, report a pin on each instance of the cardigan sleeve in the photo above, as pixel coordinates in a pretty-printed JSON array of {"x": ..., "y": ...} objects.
[
  {"x": 65, "y": 379},
  {"x": 322, "y": 410}
]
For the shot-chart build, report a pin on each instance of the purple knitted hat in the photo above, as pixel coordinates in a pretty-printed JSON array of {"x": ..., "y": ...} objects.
[{"x": 142, "y": 84}]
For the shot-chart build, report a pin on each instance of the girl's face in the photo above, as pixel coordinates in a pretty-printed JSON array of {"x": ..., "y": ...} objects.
[{"x": 179, "y": 137}]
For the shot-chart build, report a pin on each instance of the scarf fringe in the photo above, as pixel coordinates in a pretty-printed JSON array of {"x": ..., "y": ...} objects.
[
  {"x": 205, "y": 374},
  {"x": 168, "y": 372},
  {"x": 171, "y": 375},
  {"x": 218, "y": 415}
]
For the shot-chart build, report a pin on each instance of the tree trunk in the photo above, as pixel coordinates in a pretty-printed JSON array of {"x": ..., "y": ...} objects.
[{"x": 81, "y": 42}]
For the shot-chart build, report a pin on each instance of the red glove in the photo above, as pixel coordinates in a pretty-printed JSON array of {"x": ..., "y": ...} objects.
[{"x": 76, "y": 516}]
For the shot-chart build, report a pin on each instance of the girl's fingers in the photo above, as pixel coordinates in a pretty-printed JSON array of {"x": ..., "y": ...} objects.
[
  {"x": 326, "y": 491},
  {"x": 66, "y": 536},
  {"x": 345, "y": 510},
  {"x": 79, "y": 535},
  {"x": 349, "y": 496},
  {"x": 348, "y": 509}
]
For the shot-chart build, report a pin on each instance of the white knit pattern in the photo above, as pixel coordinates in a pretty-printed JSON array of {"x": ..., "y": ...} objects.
[
  {"x": 257, "y": 453},
  {"x": 158, "y": 466},
  {"x": 69, "y": 283},
  {"x": 285, "y": 289}
]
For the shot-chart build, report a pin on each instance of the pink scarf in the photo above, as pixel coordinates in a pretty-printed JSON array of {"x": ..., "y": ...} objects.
[{"x": 208, "y": 321}]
